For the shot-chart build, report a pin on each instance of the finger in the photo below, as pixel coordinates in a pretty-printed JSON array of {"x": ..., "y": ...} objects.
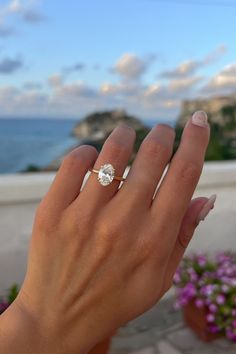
[
  {"x": 197, "y": 211},
  {"x": 117, "y": 151},
  {"x": 69, "y": 178},
  {"x": 149, "y": 165},
  {"x": 177, "y": 188}
]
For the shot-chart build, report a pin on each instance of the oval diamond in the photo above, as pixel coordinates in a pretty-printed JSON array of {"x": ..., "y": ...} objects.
[{"x": 106, "y": 174}]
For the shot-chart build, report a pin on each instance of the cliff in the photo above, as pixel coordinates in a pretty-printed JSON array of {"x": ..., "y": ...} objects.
[
  {"x": 216, "y": 108},
  {"x": 222, "y": 118}
]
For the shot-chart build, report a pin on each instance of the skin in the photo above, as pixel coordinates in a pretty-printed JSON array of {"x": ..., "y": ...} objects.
[{"x": 102, "y": 256}]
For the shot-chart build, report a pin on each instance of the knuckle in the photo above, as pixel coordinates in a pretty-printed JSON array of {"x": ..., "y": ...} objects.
[
  {"x": 85, "y": 152},
  {"x": 77, "y": 220},
  {"x": 73, "y": 160},
  {"x": 127, "y": 128},
  {"x": 145, "y": 249},
  {"x": 108, "y": 229},
  {"x": 116, "y": 148},
  {"x": 190, "y": 172},
  {"x": 168, "y": 129},
  {"x": 154, "y": 148},
  {"x": 43, "y": 218},
  {"x": 80, "y": 156}
]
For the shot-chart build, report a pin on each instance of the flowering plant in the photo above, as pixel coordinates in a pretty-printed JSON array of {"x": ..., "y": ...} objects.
[
  {"x": 211, "y": 283},
  {"x": 10, "y": 297}
]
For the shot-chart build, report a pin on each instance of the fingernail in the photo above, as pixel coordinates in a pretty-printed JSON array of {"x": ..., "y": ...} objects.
[
  {"x": 206, "y": 208},
  {"x": 200, "y": 118}
]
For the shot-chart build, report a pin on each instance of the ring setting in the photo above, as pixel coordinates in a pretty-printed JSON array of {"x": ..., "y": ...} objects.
[{"x": 106, "y": 174}]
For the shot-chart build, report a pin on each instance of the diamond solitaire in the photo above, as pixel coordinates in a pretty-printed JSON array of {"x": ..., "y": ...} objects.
[{"x": 106, "y": 174}]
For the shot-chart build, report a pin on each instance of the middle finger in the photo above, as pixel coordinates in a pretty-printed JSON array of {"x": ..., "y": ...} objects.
[{"x": 149, "y": 165}]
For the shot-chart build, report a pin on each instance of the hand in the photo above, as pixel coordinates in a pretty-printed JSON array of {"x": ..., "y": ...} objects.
[{"x": 102, "y": 256}]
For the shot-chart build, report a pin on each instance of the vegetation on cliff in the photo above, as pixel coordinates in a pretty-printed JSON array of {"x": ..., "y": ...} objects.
[{"x": 222, "y": 145}]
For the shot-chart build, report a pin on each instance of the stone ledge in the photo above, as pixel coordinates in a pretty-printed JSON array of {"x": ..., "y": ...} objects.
[{"x": 22, "y": 188}]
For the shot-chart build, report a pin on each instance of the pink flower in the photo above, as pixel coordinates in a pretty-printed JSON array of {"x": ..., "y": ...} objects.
[
  {"x": 220, "y": 299},
  {"x": 210, "y": 317},
  {"x": 199, "y": 303},
  {"x": 213, "y": 308}
]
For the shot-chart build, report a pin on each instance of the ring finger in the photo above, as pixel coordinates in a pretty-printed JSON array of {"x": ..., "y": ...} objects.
[{"x": 117, "y": 151}]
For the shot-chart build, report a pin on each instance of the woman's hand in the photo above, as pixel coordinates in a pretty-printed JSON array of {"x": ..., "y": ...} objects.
[{"x": 102, "y": 256}]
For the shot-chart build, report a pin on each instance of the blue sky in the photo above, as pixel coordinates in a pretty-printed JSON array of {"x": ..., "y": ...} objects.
[{"x": 69, "y": 58}]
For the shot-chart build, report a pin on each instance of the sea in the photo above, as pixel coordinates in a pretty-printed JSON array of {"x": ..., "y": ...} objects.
[{"x": 36, "y": 142}]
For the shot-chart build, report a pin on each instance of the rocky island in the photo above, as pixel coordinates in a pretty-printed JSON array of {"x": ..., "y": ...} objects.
[
  {"x": 98, "y": 125},
  {"x": 95, "y": 128}
]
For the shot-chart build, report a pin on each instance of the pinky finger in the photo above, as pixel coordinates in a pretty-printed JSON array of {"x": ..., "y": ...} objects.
[{"x": 199, "y": 208}]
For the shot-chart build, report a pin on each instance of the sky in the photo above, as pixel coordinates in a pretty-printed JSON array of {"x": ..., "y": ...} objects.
[{"x": 66, "y": 59}]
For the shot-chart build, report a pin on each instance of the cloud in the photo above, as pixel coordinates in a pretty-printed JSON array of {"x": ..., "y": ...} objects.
[
  {"x": 190, "y": 67},
  {"x": 184, "y": 85},
  {"x": 32, "y": 16},
  {"x": 184, "y": 69},
  {"x": 223, "y": 82},
  {"x": 10, "y": 66},
  {"x": 229, "y": 70},
  {"x": 75, "y": 99},
  {"x": 65, "y": 97},
  {"x": 8, "y": 92},
  {"x": 123, "y": 89},
  {"x": 31, "y": 85},
  {"x": 75, "y": 90},
  {"x": 73, "y": 68},
  {"x": 26, "y": 10},
  {"x": 215, "y": 55},
  {"x": 55, "y": 80},
  {"x": 130, "y": 66}
]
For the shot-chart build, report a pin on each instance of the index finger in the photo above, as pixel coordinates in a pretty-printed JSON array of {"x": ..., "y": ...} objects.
[{"x": 178, "y": 185}]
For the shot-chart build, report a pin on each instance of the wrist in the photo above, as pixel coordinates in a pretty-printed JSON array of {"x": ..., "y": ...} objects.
[
  {"x": 18, "y": 334},
  {"x": 22, "y": 332}
]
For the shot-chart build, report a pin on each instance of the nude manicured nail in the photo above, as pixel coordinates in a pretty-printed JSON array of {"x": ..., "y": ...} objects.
[
  {"x": 206, "y": 208},
  {"x": 200, "y": 118}
]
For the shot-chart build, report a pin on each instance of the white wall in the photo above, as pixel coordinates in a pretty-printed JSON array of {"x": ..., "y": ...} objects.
[{"x": 20, "y": 194}]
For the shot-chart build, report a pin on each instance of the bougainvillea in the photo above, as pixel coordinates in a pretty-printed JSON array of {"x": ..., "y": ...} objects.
[{"x": 211, "y": 282}]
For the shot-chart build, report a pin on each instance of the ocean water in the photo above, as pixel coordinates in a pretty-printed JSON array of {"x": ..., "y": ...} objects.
[
  {"x": 25, "y": 142},
  {"x": 37, "y": 142}
]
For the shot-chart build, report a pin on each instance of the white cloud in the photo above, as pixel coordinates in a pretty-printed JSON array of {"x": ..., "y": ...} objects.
[
  {"x": 55, "y": 80},
  {"x": 184, "y": 85},
  {"x": 122, "y": 88},
  {"x": 189, "y": 67},
  {"x": 130, "y": 66},
  {"x": 75, "y": 90},
  {"x": 65, "y": 97},
  {"x": 223, "y": 82},
  {"x": 26, "y": 10},
  {"x": 229, "y": 70}
]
